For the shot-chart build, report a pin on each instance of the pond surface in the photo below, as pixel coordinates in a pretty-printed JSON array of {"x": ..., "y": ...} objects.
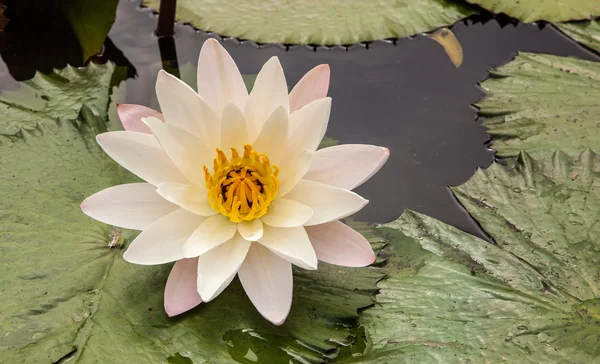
[{"x": 405, "y": 94}]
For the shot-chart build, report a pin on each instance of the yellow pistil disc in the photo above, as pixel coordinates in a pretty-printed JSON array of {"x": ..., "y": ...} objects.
[{"x": 243, "y": 187}]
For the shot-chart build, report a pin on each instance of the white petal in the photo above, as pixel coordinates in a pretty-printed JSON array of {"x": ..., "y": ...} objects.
[
  {"x": 267, "y": 280},
  {"x": 292, "y": 171},
  {"x": 313, "y": 86},
  {"x": 163, "y": 241},
  {"x": 234, "y": 133},
  {"x": 131, "y": 206},
  {"x": 188, "y": 153},
  {"x": 217, "y": 268},
  {"x": 251, "y": 230},
  {"x": 287, "y": 213},
  {"x": 142, "y": 155},
  {"x": 328, "y": 203},
  {"x": 213, "y": 232},
  {"x": 269, "y": 92},
  {"x": 131, "y": 117},
  {"x": 219, "y": 80},
  {"x": 181, "y": 294},
  {"x": 292, "y": 244},
  {"x": 182, "y": 107},
  {"x": 337, "y": 243},
  {"x": 308, "y": 126},
  {"x": 190, "y": 197},
  {"x": 273, "y": 137},
  {"x": 346, "y": 166}
]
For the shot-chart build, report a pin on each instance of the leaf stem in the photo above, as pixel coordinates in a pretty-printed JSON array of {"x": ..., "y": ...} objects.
[{"x": 166, "y": 18}]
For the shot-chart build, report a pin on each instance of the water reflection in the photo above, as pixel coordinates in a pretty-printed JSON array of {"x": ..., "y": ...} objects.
[{"x": 405, "y": 95}]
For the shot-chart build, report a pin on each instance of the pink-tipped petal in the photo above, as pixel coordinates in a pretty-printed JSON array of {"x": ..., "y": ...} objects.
[
  {"x": 267, "y": 280},
  {"x": 313, "y": 86},
  {"x": 181, "y": 294},
  {"x": 339, "y": 244},
  {"x": 346, "y": 166},
  {"x": 131, "y": 117}
]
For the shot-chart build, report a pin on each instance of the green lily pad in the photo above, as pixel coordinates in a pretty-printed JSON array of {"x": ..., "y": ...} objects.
[
  {"x": 529, "y": 11},
  {"x": 91, "y": 20},
  {"x": 57, "y": 96},
  {"x": 541, "y": 103},
  {"x": 319, "y": 22},
  {"x": 531, "y": 297},
  {"x": 65, "y": 294},
  {"x": 586, "y": 33}
]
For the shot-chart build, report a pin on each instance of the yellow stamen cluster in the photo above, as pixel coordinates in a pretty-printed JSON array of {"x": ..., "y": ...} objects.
[{"x": 242, "y": 188}]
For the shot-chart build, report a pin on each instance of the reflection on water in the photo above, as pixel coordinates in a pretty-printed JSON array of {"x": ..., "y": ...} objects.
[{"x": 405, "y": 95}]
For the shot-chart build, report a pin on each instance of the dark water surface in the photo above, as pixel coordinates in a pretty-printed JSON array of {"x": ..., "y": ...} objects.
[{"x": 405, "y": 95}]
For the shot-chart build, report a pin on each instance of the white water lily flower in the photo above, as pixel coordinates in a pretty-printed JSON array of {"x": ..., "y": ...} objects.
[{"x": 235, "y": 184}]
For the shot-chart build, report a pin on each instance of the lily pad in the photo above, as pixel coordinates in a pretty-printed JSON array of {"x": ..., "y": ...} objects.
[
  {"x": 529, "y": 11},
  {"x": 57, "y": 96},
  {"x": 65, "y": 294},
  {"x": 586, "y": 33},
  {"x": 319, "y": 22},
  {"x": 91, "y": 20},
  {"x": 541, "y": 103},
  {"x": 533, "y": 296}
]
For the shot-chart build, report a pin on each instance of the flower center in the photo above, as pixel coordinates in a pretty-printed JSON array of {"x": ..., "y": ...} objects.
[{"x": 242, "y": 188}]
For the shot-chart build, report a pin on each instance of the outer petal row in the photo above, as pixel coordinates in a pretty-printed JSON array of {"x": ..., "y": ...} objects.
[
  {"x": 164, "y": 240},
  {"x": 346, "y": 166},
  {"x": 328, "y": 203},
  {"x": 131, "y": 206},
  {"x": 267, "y": 280},
  {"x": 337, "y": 243},
  {"x": 142, "y": 155},
  {"x": 181, "y": 294}
]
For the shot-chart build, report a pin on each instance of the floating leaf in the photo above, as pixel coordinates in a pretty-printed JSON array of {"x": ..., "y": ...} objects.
[
  {"x": 318, "y": 22},
  {"x": 58, "y": 96},
  {"x": 66, "y": 294},
  {"x": 91, "y": 20},
  {"x": 532, "y": 297},
  {"x": 529, "y": 11},
  {"x": 541, "y": 103},
  {"x": 586, "y": 33}
]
